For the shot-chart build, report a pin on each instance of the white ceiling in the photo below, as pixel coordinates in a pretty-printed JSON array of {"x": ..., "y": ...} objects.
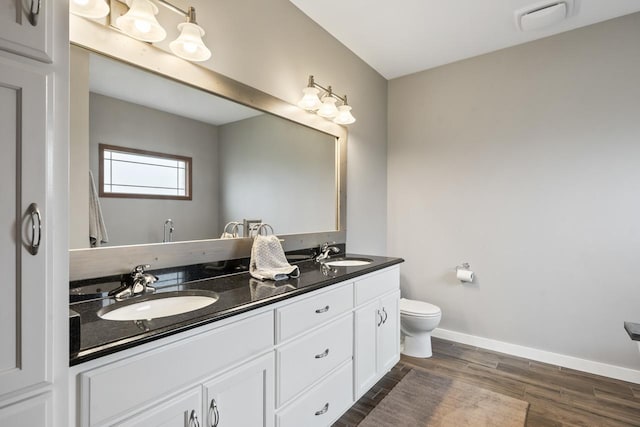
[
  {"x": 127, "y": 83},
  {"x": 401, "y": 37}
]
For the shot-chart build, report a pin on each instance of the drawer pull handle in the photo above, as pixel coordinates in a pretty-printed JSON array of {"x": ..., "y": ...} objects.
[
  {"x": 324, "y": 409},
  {"x": 385, "y": 315},
  {"x": 380, "y": 317},
  {"x": 193, "y": 419},
  {"x": 34, "y": 214},
  {"x": 322, "y": 310},
  {"x": 214, "y": 415},
  {"x": 323, "y": 354}
]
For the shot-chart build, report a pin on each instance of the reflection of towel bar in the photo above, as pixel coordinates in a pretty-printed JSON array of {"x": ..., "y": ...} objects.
[{"x": 464, "y": 266}]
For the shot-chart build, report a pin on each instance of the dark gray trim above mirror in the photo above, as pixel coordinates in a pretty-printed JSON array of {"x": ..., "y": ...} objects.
[{"x": 105, "y": 261}]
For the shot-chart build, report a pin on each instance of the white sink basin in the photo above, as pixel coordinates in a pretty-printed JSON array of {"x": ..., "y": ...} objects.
[
  {"x": 347, "y": 262},
  {"x": 158, "y": 305}
]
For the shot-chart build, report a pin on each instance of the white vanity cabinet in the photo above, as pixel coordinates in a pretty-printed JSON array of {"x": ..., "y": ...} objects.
[
  {"x": 299, "y": 362},
  {"x": 377, "y": 328},
  {"x": 26, "y": 28}
]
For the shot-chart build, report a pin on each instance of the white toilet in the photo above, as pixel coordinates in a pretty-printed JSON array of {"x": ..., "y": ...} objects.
[{"x": 417, "y": 320}]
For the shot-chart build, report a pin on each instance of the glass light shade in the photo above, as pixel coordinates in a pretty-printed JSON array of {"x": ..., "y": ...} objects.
[
  {"x": 93, "y": 9},
  {"x": 328, "y": 108},
  {"x": 310, "y": 100},
  {"x": 344, "y": 116},
  {"x": 189, "y": 44},
  {"x": 140, "y": 21}
]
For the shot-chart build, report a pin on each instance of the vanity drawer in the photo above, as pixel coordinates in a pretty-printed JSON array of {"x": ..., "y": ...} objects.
[
  {"x": 115, "y": 389},
  {"x": 322, "y": 405},
  {"x": 378, "y": 284},
  {"x": 309, "y": 358},
  {"x": 303, "y": 315}
]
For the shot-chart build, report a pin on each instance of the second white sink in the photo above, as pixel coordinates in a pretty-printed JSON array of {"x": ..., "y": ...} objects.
[
  {"x": 159, "y": 305},
  {"x": 347, "y": 262}
]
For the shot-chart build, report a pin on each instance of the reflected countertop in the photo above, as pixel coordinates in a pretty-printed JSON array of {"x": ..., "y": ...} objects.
[{"x": 238, "y": 292}]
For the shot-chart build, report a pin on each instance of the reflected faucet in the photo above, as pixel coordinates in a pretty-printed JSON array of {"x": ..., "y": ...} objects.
[{"x": 168, "y": 225}]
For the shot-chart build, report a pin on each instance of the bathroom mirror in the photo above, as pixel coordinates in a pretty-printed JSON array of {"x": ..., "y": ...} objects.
[
  {"x": 263, "y": 158},
  {"x": 243, "y": 163}
]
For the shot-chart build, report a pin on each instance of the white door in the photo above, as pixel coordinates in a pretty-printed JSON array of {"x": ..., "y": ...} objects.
[
  {"x": 35, "y": 411},
  {"x": 181, "y": 411},
  {"x": 26, "y": 28},
  {"x": 242, "y": 397},
  {"x": 389, "y": 333},
  {"x": 367, "y": 319},
  {"x": 24, "y": 352}
]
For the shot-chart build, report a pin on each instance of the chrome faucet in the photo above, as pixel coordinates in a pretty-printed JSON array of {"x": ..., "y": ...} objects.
[
  {"x": 137, "y": 282},
  {"x": 168, "y": 225},
  {"x": 325, "y": 250}
]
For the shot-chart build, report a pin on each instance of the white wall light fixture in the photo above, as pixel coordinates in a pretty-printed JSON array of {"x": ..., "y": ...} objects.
[
  {"x": 544, "y": 14},
  {"x": 140, "y": 23},
  {"x": 92, "y": 9},
  {"x": 326, "y": 107}
]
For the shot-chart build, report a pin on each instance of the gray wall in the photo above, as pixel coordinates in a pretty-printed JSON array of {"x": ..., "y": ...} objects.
[
  {"x": 273, "y": 46},
  {"x": 133, "y": 221},
  {"x": 525, "y": 163},
  {"x": 277, "y": 171}
]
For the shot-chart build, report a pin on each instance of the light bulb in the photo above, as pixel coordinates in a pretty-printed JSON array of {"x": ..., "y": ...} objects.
[
  {"x": 140, "y": 22},
  {"x": 189, "y": 44},
  {"x": 344, "y": 116},
  {"x": 92, "y": 9},
  {"x": 310, "y": 100},
  {"x": 142, "y": 26},
  {"x": 328, "y": 108}
]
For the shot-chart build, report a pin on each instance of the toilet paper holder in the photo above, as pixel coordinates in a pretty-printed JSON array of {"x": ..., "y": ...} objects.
[{"x": 464, "y": 266}]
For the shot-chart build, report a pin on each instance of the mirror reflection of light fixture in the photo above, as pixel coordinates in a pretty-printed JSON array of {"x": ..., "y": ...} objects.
[
  {"x": 327, "y": 106},
  {"x": 189, "y": 44},
  {"x": 140, "y": 22},
  {"x": 93, "y": 9}
]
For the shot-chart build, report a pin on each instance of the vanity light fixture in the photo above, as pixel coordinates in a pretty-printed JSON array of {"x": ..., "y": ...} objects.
[
  {"x": 140, "y": 23},
  {"x": 93, "y": 9},
  {"x": 327, "y": 106}
]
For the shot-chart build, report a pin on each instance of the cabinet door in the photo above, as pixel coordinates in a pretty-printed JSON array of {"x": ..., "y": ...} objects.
[
  {"x": 389, "y": 333},
  {"x": 22, "y": 35},
  {"x": 367, "y": 319},
  {"x": 242, "y": 397},
  {"x": 182, "y": 411},
  {"x": 31, "y": 412},
  {"x": 23, "y": 305}
]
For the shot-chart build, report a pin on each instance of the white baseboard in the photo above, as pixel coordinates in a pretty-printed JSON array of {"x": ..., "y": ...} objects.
[{"x": 611, "y": 371}]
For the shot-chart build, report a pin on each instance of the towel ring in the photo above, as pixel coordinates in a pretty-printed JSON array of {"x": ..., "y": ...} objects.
[
  {"x": 266, "y": 227},
  {"x": 234, "y": 228}
]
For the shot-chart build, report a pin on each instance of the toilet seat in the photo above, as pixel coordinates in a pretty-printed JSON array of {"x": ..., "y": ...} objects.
[{"x": 418, "y": 308}]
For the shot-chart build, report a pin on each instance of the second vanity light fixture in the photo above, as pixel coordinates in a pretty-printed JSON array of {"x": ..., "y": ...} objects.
[
  {"x": 140, "y": 23},
  {"x": 326, "y": 107}
]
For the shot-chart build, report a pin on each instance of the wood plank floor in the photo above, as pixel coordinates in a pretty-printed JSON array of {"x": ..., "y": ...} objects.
[{"x": 558, "y": 396}]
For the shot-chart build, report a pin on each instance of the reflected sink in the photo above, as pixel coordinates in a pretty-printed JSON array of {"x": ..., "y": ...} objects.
[
  {"x": 347, "y": 262},
  {"x": 158, "y": 305}
]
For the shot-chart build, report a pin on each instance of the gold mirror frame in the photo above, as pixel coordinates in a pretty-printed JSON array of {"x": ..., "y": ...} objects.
[{"x": 106, "y": 261}]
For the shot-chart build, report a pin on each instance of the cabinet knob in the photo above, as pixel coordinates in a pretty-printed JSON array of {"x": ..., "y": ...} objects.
[
  {"x": 323, "y": 354},
  {"x": 324, "y": 409},
  {"x": 214, "y": 415}
]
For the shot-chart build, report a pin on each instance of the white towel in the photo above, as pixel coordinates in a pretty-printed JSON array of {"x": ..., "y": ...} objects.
[
  {"x": 97, "y": 230},
  {"x": 268, "y": 261}
]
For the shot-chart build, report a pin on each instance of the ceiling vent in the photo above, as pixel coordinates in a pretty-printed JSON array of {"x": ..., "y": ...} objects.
[{"x": 543, "y": 15}]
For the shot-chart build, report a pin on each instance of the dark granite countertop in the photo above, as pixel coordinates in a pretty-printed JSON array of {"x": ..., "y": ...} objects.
[
  {"x": 238, "y": 293},
  {"x": 633, "y": 329}
]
